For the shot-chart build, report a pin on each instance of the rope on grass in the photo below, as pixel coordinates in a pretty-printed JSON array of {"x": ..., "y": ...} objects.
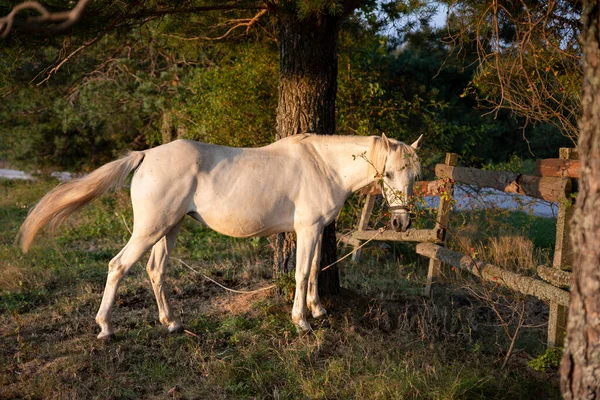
[
  {"x": 380, "y": 231},
  {"x": 220, "y": 285}
]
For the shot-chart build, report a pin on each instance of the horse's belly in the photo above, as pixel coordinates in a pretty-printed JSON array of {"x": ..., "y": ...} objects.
[{"x": 238, "y": 224}]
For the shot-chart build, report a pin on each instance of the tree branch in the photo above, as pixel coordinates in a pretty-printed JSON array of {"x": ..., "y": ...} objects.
[
  {"x": 63, "y": 19},
  {"x": 246, "y": 22},
  {"x": 165, "y": 10}
]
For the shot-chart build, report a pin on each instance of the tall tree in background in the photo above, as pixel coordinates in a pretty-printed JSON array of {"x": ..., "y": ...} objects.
[
  {"x": 580, "y": 369},
  {"x": 308, "y": 42},
  {"x": 307, "y": 92}
]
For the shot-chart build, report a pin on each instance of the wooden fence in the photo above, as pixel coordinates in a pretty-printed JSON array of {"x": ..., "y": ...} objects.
[{"x": 555, "y": 181}]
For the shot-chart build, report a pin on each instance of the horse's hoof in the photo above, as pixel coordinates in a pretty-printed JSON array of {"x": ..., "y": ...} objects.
[
  {"x": 175, "y": 327},
  {"x": 319, "y": 312},
  {"x": 106, "y": 337},
  {"x": 303, "y": 326}
]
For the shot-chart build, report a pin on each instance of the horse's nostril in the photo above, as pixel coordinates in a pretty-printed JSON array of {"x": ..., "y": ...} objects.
[{"x": 396, "y": 224}]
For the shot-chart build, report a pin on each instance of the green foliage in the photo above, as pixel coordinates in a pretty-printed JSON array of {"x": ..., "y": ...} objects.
[
  {"x": 549, "y": 360},
  {"x": 235, "y": 100},
  {"x": 513, "y": 164},
  {"x": 528, "y": 58},
  {"x": 286, "y": 284},
  {"x": 133, "y": 90},
  {"x": 146, "y": 86},
  {"x": 418, "y": 89},
  {"x": 307, "y": 8}
]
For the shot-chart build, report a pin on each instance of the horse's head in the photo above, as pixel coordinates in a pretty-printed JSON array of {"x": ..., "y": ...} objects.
[{"x": 401, "y": 168}]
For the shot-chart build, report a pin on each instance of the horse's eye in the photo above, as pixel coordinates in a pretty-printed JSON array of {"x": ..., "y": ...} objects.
[{"x": 388, "y": 175}]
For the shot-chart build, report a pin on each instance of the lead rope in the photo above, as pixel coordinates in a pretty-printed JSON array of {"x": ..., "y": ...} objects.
[{"x": 379, "y": 232}]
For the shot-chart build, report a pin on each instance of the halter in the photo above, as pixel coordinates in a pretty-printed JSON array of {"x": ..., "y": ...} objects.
[{"x": 399, "y": 208}]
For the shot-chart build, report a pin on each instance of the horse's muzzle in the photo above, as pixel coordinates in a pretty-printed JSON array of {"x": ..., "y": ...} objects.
[{"x": 400, "y": 221}]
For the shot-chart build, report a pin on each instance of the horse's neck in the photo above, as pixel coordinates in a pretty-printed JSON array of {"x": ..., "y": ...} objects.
[{"x": 349, "y": 161}]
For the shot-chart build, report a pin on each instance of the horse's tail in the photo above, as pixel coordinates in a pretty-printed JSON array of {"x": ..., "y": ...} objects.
[{"x": 70, "y": 196}]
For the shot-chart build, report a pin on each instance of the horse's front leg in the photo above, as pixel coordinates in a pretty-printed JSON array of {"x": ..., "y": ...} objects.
[
  {"x": 307, "y": 242},
  {"x": 312, "y": 296}
]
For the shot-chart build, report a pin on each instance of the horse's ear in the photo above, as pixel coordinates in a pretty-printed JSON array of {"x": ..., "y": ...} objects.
[
  {"x": 417, "y": 143},
  {"x": 385, "y": 142}
]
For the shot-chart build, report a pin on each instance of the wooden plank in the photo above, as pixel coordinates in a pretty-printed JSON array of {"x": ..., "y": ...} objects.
[
  {"x": 563, "y": 251},
  {"x": 441, "y": 223},
  {"x": 373, "y": 189},
  {"x": 365, "y": 215},
  {"x": 413, "y": 235},
  {"x": 557, "y": 324},
  {"x": 555, "y": 276},
  {"x": 363, "y": 224},
  {"x": 420, "y": 188},
  {"x": 546, "y": 188},
  {"x": 563, "y": 256},
  {"x": 557, "y": 167},
  {"x": 568, "y": 153},
  {"x": 492, "y": 273}
]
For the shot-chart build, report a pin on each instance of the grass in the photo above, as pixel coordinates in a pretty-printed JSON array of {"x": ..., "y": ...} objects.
[{"x": 381, "y": 339}]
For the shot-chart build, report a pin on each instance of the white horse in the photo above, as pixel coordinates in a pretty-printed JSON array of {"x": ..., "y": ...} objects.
[{"x": 299, "y": 184}]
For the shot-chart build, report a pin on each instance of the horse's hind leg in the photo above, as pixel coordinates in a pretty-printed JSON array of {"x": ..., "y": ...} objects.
[
  {"x": 119, "y": 266},
  {"x": 156, "y": 271}
]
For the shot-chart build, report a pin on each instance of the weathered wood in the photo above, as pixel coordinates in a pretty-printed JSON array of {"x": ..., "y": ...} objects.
[
  {"x": 546, "y": 188},
  {"x": 363, "y": 224},
  {"x": 563, "y": 251},
  {"x": 557, "y": 324},
  {"x": 441, "y": 223},
  {"x": 555, "y": 276},
  {"x": 563, "y": 256},
  {"x": 420, "y": 188},
  {"x": 413, "y": 235},
  {"x": 373, "y": 189},
  {"x": 557, "y": 167},
  {"x": 492, "y": 273},
  {"x": 568, "y": 153}
]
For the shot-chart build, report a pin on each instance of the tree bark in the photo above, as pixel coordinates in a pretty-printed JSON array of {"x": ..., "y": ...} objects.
[
  {"x": 307, "y": 91},
  {"x": 580, "y": 368}
]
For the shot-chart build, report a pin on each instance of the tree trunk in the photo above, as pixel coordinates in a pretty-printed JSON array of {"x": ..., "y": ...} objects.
[
  {"x": 307, "y": 91},
  {"x": 580, "y": 368}
]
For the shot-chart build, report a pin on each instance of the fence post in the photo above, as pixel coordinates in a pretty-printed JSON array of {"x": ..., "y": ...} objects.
[
  {"x": 563, "y": 257},
  {"x": 363, "y": 223},
  {"x": 441, "y": 222}
]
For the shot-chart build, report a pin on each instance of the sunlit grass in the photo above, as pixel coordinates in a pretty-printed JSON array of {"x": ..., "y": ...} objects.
[{"x": 382, "y": 339}]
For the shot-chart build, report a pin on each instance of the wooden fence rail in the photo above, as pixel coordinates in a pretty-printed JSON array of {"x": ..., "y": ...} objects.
[
  {"x": 413, "y": 235},
  {"x": 554, "y": 184},
  {"x": 546, "y": 188},
  {"x": 557, "y": 167},
  {"x": 488, "y": 272}
]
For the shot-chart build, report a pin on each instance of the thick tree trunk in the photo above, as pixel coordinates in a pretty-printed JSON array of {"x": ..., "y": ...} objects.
[
  {"x": 580, "y": 369},
  {"x": 307, "y": 90}
]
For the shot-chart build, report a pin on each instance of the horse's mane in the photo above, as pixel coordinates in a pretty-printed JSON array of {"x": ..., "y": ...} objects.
[
  {"x": 377, "y": 157},
  {"x": 412, "y": 159}
]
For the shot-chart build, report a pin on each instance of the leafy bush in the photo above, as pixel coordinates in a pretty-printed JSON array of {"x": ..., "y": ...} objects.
[{"x": 549, "y": 360}]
